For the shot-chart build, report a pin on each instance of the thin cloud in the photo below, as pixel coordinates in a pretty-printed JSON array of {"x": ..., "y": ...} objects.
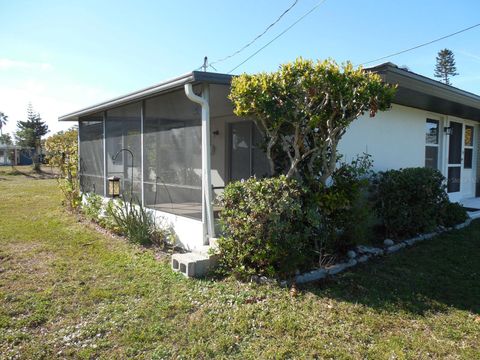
[
  {"x": 7, "y": 64},
  {"x": 470, "y": 55}
]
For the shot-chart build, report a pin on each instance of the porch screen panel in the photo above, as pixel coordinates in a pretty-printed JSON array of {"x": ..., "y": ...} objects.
[
  {"x": 122, "y": 127},
  {"x": 92, "y": 177},
  {"x": 173, "y": 155}
]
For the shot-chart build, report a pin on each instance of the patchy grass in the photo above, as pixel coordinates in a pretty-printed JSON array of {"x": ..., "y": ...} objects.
[{"x": 68, "y": 291}]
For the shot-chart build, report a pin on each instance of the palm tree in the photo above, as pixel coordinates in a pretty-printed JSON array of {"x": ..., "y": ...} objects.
[{"x": 3, "y": 121}]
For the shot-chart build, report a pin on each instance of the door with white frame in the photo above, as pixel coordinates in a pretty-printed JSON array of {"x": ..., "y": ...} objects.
[{"x": 461, "y": 159}]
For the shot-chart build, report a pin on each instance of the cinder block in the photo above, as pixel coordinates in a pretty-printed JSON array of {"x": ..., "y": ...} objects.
[{"x": 192, "y": 264}]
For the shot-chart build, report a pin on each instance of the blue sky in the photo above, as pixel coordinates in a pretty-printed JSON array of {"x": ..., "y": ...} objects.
[{"x": 65, "y": 55}]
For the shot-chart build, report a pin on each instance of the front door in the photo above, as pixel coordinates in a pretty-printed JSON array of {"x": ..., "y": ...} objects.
[{"x": 460, "y": 170}]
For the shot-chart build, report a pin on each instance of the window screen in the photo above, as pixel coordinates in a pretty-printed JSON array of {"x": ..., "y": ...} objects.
[
  {"x": 173, "y": 155},
  {"x": 468, "y": 147},
  {"x": 247, "y": 156},
  {"x": 455, "y": 146},
  {"x": 91, "y": 154},
  {"x": 122, "y": 127},
  {"x": 431, "y": 143},
  {"x": 453, "y": 179}
]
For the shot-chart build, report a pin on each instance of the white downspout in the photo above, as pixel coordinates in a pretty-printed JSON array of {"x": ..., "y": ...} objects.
[{"x": 207, "y": 211}]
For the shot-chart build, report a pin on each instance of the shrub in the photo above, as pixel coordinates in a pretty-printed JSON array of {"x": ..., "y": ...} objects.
[
  {"x": 92, "y": 207},
  {"x": 353, "y": 217},
  {"x": 136, "y": 223},
  {"x": 62, "y": 153},
  {"x": 452, "y": 214},
  {"x": 263, "y": 228},
  {"x": 409, "y": 201}
]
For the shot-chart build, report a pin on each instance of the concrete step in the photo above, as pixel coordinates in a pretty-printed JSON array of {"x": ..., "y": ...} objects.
[{"x": 193, "y": 264}]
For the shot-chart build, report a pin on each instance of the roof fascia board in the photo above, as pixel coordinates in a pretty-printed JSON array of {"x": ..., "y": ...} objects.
[{"x": 137, "y": 95}]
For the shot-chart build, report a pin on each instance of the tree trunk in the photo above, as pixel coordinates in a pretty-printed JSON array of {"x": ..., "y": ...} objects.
[{"x": 36, "y": 158}]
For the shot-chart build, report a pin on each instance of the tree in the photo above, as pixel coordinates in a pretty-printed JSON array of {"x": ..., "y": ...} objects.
[
  {"x": 303, "y": 110},
  {"x": 30, "y": 134},
  {"x": 3, "y": 121},
  {"x": 445, "y": 67},
  {"x": 62, "y": 153},
  {"x": 6, "y": 139}
]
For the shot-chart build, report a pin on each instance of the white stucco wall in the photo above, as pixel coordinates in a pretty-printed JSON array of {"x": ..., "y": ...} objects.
[
  {"x": 188, "y": 231},
  {"x": 394, "y": 138}
]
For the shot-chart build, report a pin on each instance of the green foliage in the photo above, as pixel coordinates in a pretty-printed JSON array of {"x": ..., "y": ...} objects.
[
  {"x": 452, "y": 214},
  {"x": 62, "y": 153},
  {"x": 304, "y": 108},
  {"x": 445, "y": 66},
  {"x": 264, "y": 231},
  {"x": 3, "y": 122},
  {"x": 136, "y": 223},
  {"x": 107, "y": 220},
  {"x": 410, "y": 201},
  {"x": 92, "y": 207},
  {"x": 6, "y": 139},
  {"x": 349, "y": 213},
  {"x": 30, "y": 132}
]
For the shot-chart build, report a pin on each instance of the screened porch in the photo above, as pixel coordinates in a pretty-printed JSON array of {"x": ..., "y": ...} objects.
[{"x": 155, "y": 147}]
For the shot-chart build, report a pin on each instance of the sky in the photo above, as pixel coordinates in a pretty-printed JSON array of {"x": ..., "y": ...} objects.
[{"x": 65, "y": 55}]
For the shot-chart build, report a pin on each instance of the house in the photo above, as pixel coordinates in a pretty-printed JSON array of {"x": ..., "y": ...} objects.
[
  {"x": 185, "y": 144},
  {"x": 15, "y": 155}
]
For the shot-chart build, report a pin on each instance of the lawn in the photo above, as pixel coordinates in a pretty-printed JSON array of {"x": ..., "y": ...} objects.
[{"x": 67, "y": 290}]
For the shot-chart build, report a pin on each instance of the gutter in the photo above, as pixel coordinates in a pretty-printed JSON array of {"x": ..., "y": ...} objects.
[{"x": 207, "y": 210}]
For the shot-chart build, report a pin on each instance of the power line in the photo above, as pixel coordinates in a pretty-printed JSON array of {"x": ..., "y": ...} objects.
[
  {"x": 276, "y": 37},
  {"x": 421, "y": 45},
  {"x": 257, "y": 37}
]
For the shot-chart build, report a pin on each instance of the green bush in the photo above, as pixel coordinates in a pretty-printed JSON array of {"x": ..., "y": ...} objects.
[
  {"x": 136, "y": 223},
  {"x": 351, "y": 217},
  {"x": 264, "y": 230},
  {"x": 410, "y": 201},
  {"x": 92, "y": 207},
  {"x": 452, "y": 214}
]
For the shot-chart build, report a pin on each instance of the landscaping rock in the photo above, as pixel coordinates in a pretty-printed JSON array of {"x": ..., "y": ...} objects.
[
  {"x": 337, "y": 268},
  {"x": 395, "y": 248},
  {"x": 311, "y": 276},
  {"x": 362, "y": 249},
  {"x": 352, "y": 262},
  {"x": 263, "y": 280},
  {"x": 388, "y": 242},
  {"x": 412, "y": 241},
  {"x": 428, "y": 236},
  {"x": 352, "y": 254}
]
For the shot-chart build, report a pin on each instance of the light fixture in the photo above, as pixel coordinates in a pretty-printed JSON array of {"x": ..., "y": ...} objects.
[
  {"x": 448, "y": 130},
  {"x": 114, "y": 157},
  {"x": 114, "y": 186}
]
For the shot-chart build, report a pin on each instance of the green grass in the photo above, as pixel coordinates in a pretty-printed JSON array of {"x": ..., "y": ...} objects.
[{"x": 69, "y": 291}]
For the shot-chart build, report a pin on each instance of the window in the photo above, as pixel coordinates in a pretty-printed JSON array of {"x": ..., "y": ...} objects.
[
  {"x": 431, "y": 143},
  {"x": 91, "y": 154},
  {"x": 247, "y": 157},
  {"x": 172, "y": 146},
  {"x": 468, "y": 147},
  {"x": 123, "y": 132}
]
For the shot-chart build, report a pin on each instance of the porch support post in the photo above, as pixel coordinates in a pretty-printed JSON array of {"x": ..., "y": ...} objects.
[
  {"x": 104, "y": 143},
  {"x": 207, "y": 210}
]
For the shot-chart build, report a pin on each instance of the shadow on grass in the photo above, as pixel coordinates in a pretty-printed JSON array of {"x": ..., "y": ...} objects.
[
  {"x": 28, "y": 172},
  {"x": 432, "y": 276}
]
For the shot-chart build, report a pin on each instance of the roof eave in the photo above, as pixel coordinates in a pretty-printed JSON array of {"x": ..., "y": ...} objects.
[{"x": 178, "y": 82}]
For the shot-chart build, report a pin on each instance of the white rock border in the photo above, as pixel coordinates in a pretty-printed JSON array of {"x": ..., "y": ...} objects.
[{"x": 364, "y": 253}]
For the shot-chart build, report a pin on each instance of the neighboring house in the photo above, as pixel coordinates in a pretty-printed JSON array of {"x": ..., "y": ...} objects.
[
  {"x": 187, "y": 147},
  {"x": 14, "y": 155}
]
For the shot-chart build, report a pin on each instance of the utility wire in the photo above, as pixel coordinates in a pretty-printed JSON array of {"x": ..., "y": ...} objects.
[
  {"x": 276, "y": 37},
  {"x": 257, "y": 37},
  {"x": 421, "y": 45}
]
